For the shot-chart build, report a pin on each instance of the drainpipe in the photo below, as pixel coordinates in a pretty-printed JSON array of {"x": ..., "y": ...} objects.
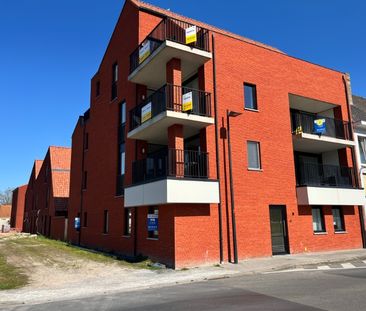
[
  {"x": 217, "y": 148},
  {"x": 359, "y": 179},
  {"x": 82, "y": 178}
]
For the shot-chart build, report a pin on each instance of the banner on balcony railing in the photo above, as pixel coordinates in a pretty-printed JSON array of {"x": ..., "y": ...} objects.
[
  {"x": 187, "y": 102},
  {"x": 152, "y": 222},
  {"x": 144, "y": 51},
  {"x": 319, "y": 126},
  {"x": 191, "y": 34},
  {"x": 146, "y": 112}
]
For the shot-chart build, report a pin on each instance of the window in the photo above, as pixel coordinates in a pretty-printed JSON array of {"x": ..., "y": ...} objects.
[
  {"x": 106, "y": 222},
  {"x": 121, "y": 149},
  {"x": 153, "y": 213},
  {"x": 362, "y": 147},
  {"x": 318, "y": 220},
  {"x": 250, "y": 96},
  {"x": 86, "y": 141},
  {"x": 85, "y": 180},
  {"x": 123, "y": 113},
  {"x": 338, "y": 220},
  {"x": 114, "y": 81},
  {"x": 97, "y": 89},
  {"x": 254, "y": 159},
  {"x": 85, "y": 219},
  {"x": 127, "y": 221}
]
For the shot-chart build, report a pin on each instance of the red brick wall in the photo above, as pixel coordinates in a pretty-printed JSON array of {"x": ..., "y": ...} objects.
[
  {"x": 188, "y": 234},
  {"x": 17, "y": 209}
]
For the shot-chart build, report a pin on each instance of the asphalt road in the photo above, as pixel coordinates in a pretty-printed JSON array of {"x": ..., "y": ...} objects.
[{"x": 341, "y": 289}]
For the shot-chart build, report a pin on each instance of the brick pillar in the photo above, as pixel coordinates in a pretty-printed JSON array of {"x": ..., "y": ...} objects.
[
  {"x": 176, "y": 150},
  {"x": 174, "y": 78}
]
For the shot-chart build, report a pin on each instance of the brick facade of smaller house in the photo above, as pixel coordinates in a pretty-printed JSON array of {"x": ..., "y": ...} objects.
[
  {"x": 17, "y": 210},
  {"x": 46, "y": 208}
]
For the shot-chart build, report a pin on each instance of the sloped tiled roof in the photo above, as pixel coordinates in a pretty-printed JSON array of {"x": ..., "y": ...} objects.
[
  {"x": 37, "y": 167},
  {"x": 144, "y": 5},
  {"x": 60, "y": 158},
  {"x": 5, "y": 211}
]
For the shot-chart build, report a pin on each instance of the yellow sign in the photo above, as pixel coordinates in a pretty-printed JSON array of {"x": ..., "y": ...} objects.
[
  {"x": 187, "y": 102},
  {"x": 146, "y": 112},
  {"x": 191, "y": 34},
  {"x": 144, "y": 51}
]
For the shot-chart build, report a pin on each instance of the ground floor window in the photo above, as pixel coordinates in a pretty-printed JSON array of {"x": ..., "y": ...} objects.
[
  {"x": 338, "y": 220},
  {"x": 127, "y": 221},
  {"x": 318, "y": 220},
  {"x": 153, "y": 223}
]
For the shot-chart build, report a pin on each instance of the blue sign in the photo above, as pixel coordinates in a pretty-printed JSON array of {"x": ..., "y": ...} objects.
[
  {"x": 152, "y": 222},
  {"x": 77, "y": 223},
  {"x": 319, "y": 126}
]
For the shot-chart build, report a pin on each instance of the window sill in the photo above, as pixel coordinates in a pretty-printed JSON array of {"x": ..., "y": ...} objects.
[
  {"x": 153, "y": 239},
  {"x": 113, "y": 100},
  {"x": 126, "y": 236},
  {"x": 255, "y": 169},
  {"x": 251, "y": 109},
  {"x": 340, "y": 232},
  {"x": 321, "y": 233},
  {"x": 119, "y": 196},
  {"x": 105, "y": 233}
]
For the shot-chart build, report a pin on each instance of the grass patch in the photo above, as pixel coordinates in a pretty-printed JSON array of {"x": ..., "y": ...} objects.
[
  {"x": 10, "y": 277},
  {"x": 52, "y": 252}
]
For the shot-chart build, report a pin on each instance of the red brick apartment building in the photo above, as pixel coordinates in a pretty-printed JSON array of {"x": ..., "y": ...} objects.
[
  {"x": 150, "y": 171},
  {"x": 17, "y": 208},
  {"x": 47, "y": 195}
]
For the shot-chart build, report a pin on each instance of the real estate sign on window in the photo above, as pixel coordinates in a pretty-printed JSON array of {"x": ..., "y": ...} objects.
[
  {"x": 77, "y": 223},
  {"x": 187, "y": 101},
  {"x": 319, "y": 126},
  {"x": 152, "y": 222},
  {"x": 144, "y": 51},
  {"x": 146, "y": 112},
  {"x": 191, "y": 34}
]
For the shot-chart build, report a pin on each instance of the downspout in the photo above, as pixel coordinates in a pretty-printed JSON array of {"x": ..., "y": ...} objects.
[
  {"x": 82, "y": 177},
  {"x": 359, "y": 181},
  {"x": 217, "y": 148}
]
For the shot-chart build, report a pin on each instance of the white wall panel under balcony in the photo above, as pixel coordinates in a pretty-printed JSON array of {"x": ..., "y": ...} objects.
[{"x": 172, "y": 190}]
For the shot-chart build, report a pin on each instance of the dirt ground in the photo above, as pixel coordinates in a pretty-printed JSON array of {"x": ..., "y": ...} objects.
[{"x": 57, "y": 271}]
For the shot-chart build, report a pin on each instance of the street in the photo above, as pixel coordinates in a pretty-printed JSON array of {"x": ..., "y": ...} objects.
[{"x": 338, "y": 289}]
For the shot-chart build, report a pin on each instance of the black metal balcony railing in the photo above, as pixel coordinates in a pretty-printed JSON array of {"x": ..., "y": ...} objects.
[
  {"x": 173, "y": 163},
  {"x": 170, "y": 97},
  {"x": 173, "y": 30},
  {"x": 311, "y": 174},
  {"x": 304, "y": 122}
]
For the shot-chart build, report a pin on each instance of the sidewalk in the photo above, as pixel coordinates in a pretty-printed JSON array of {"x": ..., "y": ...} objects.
[{"x": 130, "y": 280}]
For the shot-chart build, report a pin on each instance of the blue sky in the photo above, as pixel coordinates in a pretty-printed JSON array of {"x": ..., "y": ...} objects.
[{"x": 49, "y": 50}]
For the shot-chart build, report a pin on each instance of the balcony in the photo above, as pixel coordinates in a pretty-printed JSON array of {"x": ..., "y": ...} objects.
[
  {"x": 167, "y": 106},
  {"x": 319, "y": 184},
  {"x": 168, "y": 40},
  {"x": 172, "y": 176},
  {"x": 337, "y": 133}
]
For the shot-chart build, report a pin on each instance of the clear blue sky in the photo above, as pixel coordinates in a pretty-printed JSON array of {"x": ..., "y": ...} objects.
[{"x": 49, "y": 50}]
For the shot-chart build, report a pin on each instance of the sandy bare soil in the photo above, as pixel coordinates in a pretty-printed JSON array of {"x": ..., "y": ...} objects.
[{"x": 58, "y": 272}]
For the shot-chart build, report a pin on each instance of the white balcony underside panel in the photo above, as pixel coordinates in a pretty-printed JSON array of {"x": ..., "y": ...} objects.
[
  {"x": 317, "y": 144},
  {"x": 155, "y": 130},
  {"x": 152, "y": 71},
  {"x": 170, "y": 191},
  {"x": 330, "y": 196}
]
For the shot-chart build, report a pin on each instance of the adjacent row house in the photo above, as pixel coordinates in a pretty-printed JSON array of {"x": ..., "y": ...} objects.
[
  {"x": 17, "y": 208},
  {"x": 46, "y": 198}
]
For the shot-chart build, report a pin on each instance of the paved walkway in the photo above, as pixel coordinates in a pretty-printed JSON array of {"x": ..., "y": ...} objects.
[{"x": 129, "y": 280}]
